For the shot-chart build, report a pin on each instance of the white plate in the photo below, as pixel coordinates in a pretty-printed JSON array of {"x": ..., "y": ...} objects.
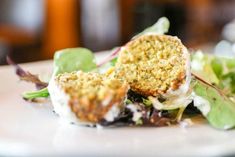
[{"x": 28, "y": 129}]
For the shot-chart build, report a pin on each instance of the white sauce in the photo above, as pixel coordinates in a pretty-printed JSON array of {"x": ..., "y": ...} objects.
[
  {"x": 112, "y": 113},
  {"x": 172, "y": 103},
  {"x": 136, "y": 114}
]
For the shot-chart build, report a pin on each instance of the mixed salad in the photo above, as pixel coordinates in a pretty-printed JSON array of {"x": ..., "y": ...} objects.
[{"x": 210, "y": 87}]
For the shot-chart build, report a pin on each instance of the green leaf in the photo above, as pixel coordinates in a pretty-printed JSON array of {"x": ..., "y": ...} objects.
[
  {"x": 222, "y": 110},
  {"x": 217, "y": 67},
  {"x": 201, "y": 65},
  {"x": 160, "y": 27},
  {"x": 224, "y": 68},
  {"x": 113, "y": 61},
  {"x": 222, "y": 65},
  {"x": 73, "y": 59},
  {"x": 36, "y": 94},
  {"x": 147, "y": 102},
  {"x": 230, "y": 63},
  {"x": 128, "y": 101},
  {"x": 228, "y": 82}
]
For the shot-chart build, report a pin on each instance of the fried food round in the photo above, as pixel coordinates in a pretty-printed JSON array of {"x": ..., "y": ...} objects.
[
  {"x": 91, "y": 96},
  {"x": 153, "y": 64}
]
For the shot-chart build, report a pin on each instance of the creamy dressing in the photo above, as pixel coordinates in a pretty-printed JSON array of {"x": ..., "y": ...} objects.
[
  {"x": 136, "y": 114},
  {"x": 172, "y": 102},
  {"x": 112, "y": 113}
]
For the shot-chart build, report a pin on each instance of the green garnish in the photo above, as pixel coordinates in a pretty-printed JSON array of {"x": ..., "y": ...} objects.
[
  {"x": 128, "y": 101},
  {"x": 43, "y": 93},
  {"x": 147, "y": 102}
]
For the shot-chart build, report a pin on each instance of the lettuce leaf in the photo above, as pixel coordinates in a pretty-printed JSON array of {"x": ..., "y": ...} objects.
[
  {"x": 221, "y": 113},
  {"x": 201, "y": 65},
  {"x": 224, "y": 69},
  {"x": 73, "y": 59},
  {"x": 216, "y": 70}
]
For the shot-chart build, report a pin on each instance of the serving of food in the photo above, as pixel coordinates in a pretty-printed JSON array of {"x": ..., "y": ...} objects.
[{"x": 153, "y": 80}]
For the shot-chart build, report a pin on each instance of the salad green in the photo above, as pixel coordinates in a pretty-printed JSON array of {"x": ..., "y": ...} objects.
[
  {"x": 42, "y": 93},
  {"x": 220, "y": 72},
  {"x": 222, "y": 110},
  {"x": 73, "y": 59},
  {"x": 216, "y": 70}
]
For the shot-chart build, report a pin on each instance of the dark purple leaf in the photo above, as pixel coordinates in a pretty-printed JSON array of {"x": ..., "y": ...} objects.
[{"x": 27, "y": 76}]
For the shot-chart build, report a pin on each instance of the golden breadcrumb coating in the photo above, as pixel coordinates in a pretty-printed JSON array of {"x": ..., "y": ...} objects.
[
  {"x": 92, "y": 94},
  {"x": 152, "y": 64}
]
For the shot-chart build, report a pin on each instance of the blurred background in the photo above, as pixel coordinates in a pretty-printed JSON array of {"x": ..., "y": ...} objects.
[{"x": 33, "y": 30}]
